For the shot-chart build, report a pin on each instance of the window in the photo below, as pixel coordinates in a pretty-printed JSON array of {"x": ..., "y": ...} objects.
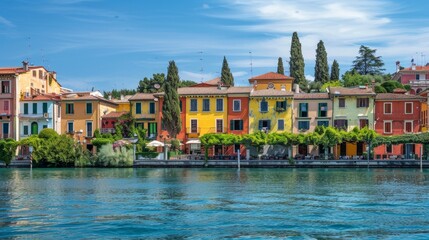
[
  {"x": 363, "y": 123},
  {"x": 194, "y": 126},
  {"x": 152, "y": 127},
  {"x": 236, "y": 105},
  {"x": 263, "y": 107},
  {"x": 139, "y": 125},
  {"x": 219, "y": 105},
  {"x": 34, "y": 108},
  {"x": 388, "y": 148},
  {"x": 219, "y": 125},
  {"x": 59, "y": 111},
  {"x": 88, "y": 108},
  {"x": 45, "y": 107},
  {"x": 34, "y": 73},
  {"x": 303, "y": 125},
  {"x": 5, "y": 87},
  {"x": 194, "y": 105},
  {"x": 236, "y": 148},
  {"x": 40, "y": 74},
  {"x": 44, "y": 126},
  {"x": 5, "y": 130},
  {"x": 25, "y": 130},
  {"x": 323, "y": 109},
  {"x": 281, "y": 106},
  {"x": 280, "y": 124},
  {"x": 341, "y": 124},
  {"x": 323, "y": 123},
  {"x": 387, "y": 108},
  {"x": 206, "y": 105},
  {"x": 70, "y": 127},
  {"x": 417, "y": 76},
  {"x": 264, "y": 125},
  {"x": 69, "y": 108},
  {"x": 25, "y": 108},
  {"x": 6, "y": 106},
  {"x": 342, "y": 102},
  {"x": 408, "y": 126},
  {"x": 138, "y": 108},
  {"x": 89, "y": 129},
  {"x": 151, "y": 108},
  {"x": 362, "y": 102},
  {"x": 303, "y": 110},
  {"x": 408, "y": 108},
  {"x": 180, "y": 103},
  {"x": 236, "y": 125},
  {"x": 388, "y": 127}
]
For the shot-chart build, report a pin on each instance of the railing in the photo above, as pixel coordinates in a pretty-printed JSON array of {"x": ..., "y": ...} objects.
[
  {"x": 419, "y": 82},
  {"x": 107, "y": 130},
  {"x": 216, "y": 130},
  {"x": 193, "y": 130}
]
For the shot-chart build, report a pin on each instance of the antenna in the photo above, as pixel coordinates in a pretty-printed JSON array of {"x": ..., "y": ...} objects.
[
  {"x": 251, "y": 64},
  {"x": 202, "y": 69}
]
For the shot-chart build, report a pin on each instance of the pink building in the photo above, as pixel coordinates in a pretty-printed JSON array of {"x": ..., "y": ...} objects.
[{"x": 415, "y": 76}]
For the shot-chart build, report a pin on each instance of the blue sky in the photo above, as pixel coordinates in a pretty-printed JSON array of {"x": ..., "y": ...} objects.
[{"x": 113, "y": 44}]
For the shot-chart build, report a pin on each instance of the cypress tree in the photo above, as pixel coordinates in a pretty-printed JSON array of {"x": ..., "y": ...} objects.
[
  {"x": 280, "y": 68},
  {"x": 335, "y": 71},
  {"x": 226, "y": 75},
  {"x": 171, "y": 107},
  {"x": 296, "y": 62},
  {"x": 321, "y": 70}
]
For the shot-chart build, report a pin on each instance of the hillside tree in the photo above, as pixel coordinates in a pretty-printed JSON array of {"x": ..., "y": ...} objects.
[
  {"x": 367, "y": 63},
  {"x": 226, "y": 75},
  {"x": 321, "y": 69}
]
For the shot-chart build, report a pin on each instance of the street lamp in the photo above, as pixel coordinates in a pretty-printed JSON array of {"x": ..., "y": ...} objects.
[
  {"x": 79, "y": 133},
  {"x": 164, "y": 137},
  {"x": 134, "y": 142}
]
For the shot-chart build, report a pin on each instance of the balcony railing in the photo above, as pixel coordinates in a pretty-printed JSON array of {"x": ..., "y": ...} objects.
[
  {"x": 419, "y": 82},
  {"x": 107, "y": 130}
]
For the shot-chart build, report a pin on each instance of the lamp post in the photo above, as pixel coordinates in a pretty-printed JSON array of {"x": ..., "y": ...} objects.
[
  {"x": 164, "y": 137},
  {"x": 79, "y": 133},
  {"x": 134, "y": 142}
]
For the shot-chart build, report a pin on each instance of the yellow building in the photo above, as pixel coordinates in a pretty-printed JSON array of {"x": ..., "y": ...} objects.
[
  {"x": 81, "y": 115},
  {"x": 272, "y": 80},
  {"x": 123, "y": 103},
  {"x": 424, "y": 112},
  {"x": 144, "y": 108},
  {"x": 270, "y": 111}
]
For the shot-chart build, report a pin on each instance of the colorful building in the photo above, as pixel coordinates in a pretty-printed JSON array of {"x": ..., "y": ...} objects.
[
  {"x": 39, "y": 112},
  {"x": 397, "y": 114},
  {"x": 109, "y": 121},
  {"x": 145, "y": 110},
  {"x": 272, "y": 80},
  {"x": 309, "y": 111},
  {"x": 352, "y": 107},
  {"x": 81, "y": 115},
  {"x": 123, "y": 103},
  {"x": 415, "y": 76}
]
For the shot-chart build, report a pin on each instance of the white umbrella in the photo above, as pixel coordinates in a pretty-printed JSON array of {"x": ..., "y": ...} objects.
[
  {"x": 155, "y": 144},
  {"x": 196, "y": 141}
]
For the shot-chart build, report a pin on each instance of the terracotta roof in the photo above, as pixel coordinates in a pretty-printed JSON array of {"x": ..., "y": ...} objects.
[
  {"x": 418, "y": 68},
  {"x": 356, "y": 91},
  {"x": 113, "y": 115},
  {"x": 13, "y": 70},
  {"x": 43, "y": 97},
  {"x": 311, "y": 96},
  {"x": 142, "y": 96},
  {"x": 236, "y": 90},
  {"x": 270, "y": 93},
  {"x": 271, "y": 76},
  {"x": 125, "y": 100},
  {"x": 214, "y": 81},
  {"x": 395, "y": 96},
  {"x": 75, "y": 97},
  {"x": 399, "y": 90}
]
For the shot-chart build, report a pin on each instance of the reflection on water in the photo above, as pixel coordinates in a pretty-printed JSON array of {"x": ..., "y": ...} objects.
[{"x": 214, "y": 203}]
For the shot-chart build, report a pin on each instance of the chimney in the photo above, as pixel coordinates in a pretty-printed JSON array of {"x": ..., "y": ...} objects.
[
  {"x": 413, "y": 65},
  {"x": 122, "y": 97},
  {"x": 296, "y": 87},
  {"x": 109, "y": 97},
  {"x": 54, "y": 74},
  {"x": 398, "y": 66},
  {"x": 25, "y": 65}
]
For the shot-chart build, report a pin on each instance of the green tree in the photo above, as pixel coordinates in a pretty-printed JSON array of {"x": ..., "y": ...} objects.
[
  {"x": 328, "y": 137},
  {"x": 321, "y": 70},
  {"x": 330, "y": 84},
  {"x": 152, "y": 85},
  {"x": 186, "y": 83},
  {"x": 335, "y": 71},
  {"x": 226, "y": 75},
  {"x": 367, "y": 62},
  {"x": 296, "y": 63},
  {"x": 280, "y": 68},
  {"x": 7, "y": 150},
  {"x": 368, "y": 136},
  {"x": 380, "y": 89},
  {"x": 392, "y": 85},
  {"x": 171, "y": 106},
  {"x": 354, "y": 79}
]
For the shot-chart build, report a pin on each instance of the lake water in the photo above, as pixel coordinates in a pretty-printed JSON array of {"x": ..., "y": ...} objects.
[{"x": 214, "y": 203}]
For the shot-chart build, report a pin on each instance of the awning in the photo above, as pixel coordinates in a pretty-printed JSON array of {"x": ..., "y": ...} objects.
[
  {"x": 196, "y": 141},
  {"x": 155, "y": 144}
]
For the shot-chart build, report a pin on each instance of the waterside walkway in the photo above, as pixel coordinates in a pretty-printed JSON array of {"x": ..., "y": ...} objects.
[{"x": 280, "y": 164}]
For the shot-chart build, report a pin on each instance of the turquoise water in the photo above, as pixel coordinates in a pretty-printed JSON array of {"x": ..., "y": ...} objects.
[{"x": 214, "y": 203}]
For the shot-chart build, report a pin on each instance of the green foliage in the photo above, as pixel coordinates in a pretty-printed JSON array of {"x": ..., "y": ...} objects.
[
  {"x": 186, "y": 83},
  {"x": 280, "y": 68},
  {"x": 226, "y": 75},
  {"x": 99, "y": 142},
  {"x": 48, "y": 133},
  {"x": 116, "y": 94},
  {"x": 354, "y": 79},
  {"x": 297, "y": 62},
  {"x": 125, "y": 125},
  {"x": 109, "y": 157},
  {"x": 315, "y": 86},
  {"x": 7, "y": 150},
  {"x": 148, "y": 85},
  {"x": 330, "y": 84},
  {"x": 367, "y": 62},
  {"x": 175, "y": 144},
  {"x": 147, "y": 154},
  {"x": 407, "y": 87},
  {"x": 379, "y": 89},
  {"x": 392, "y": 85},
  {"x": 171, "y": 106},
  {"x": 321, "y": 69},
  {"x": 335, "y": 71}
]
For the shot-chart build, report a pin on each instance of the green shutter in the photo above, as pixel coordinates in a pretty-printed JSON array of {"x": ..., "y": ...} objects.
[
  {"x": 25, "y": 130},
  {"x": 269, "y": 124},
  {"x": 25, "y": 108},
  {"x": 231, "y": 124},
  {"x": 34, "y": 108},
  {"x": 45, "y": 107},
  {"x": 260, "y": 124},
  {"x": 241, "y": 124}
]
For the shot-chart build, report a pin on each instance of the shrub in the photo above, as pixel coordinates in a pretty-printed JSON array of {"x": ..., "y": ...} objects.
[
  {"x": 48, "y": 133},
  {"x": 108, "y": 157}
]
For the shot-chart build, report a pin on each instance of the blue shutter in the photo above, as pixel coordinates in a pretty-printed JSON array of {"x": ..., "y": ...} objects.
[
  {"x": 269, "y": 124},
  {"x": 241, "y": 124},
  {"x": 260, "y": 124},
  {"x": 231, "y": 124}
]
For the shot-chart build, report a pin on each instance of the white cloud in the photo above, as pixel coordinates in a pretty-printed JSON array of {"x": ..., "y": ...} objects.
[
  {"x": 6, "y": 22},
  {"x": 309, "y": 77},
  {"x": 196, "y": 77},
  {"x": 239, "y": 74}
]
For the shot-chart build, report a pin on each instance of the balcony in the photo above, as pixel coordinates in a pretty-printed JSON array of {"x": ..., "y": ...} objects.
[
  {"x": 193, "y": 132},
  {"x": 35, "y": 116},
  {"x": 417, "y": 83},
  {"x": 107, "y": 130},
  {"x": 215, "y": 130}
]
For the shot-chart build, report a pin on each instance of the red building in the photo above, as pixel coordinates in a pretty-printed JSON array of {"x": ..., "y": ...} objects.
[
  {"x": 109, "y": 120},
  {"x": 415, "y": 76},
  {"x": 397, "y": 114}
]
